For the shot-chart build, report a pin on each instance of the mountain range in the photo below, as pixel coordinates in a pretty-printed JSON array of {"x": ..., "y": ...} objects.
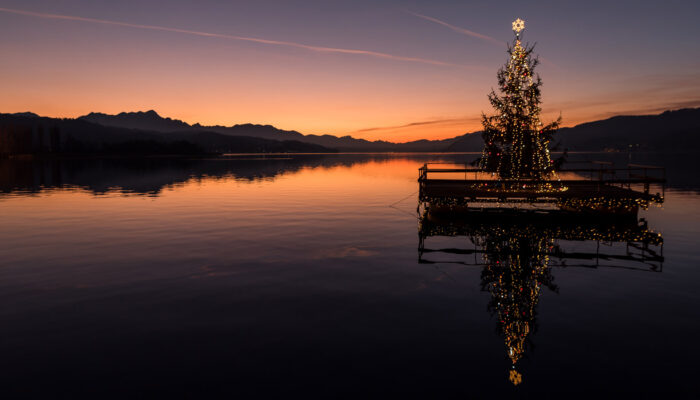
[
  {"x": 28, "y": 133},
  {"x": 148, "y": 132},
  {"x": 151, "y": 121},
  {"x": 670, "y": 130}
]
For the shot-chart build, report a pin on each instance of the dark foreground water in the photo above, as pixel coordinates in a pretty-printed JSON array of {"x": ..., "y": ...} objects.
[{"x": 312, "y": 276}]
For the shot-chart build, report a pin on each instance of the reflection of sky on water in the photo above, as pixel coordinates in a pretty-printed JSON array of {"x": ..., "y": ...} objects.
[{"x": 305, "y": 272}]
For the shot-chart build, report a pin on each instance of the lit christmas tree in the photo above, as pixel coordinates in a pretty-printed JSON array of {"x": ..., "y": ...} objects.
[{"x": 516, "y": 143}]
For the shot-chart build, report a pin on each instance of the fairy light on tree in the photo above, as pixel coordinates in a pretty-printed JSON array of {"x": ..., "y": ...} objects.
[{"x": 516, "y": 143}]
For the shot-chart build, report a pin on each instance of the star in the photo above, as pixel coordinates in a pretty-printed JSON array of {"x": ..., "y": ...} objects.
[{"x": 518, "y": 25}]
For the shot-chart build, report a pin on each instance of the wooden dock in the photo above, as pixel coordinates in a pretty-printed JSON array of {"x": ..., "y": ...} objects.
[{"x": 604, "y": 188}]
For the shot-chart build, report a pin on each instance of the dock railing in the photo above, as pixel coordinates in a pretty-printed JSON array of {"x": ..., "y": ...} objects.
[{"x": 602, "y": 173}]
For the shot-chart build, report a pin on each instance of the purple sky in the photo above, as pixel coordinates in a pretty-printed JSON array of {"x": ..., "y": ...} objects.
[{"x": 395, "y": 70}]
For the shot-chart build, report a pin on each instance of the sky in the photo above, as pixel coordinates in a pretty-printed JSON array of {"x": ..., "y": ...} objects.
[{"x": 374, "y": 69}]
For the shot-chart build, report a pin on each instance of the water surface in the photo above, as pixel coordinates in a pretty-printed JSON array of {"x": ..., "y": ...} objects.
[{"x": 291, "y": 275}]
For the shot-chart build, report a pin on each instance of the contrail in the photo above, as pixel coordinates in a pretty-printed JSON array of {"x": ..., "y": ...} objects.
[
  {"x": 231, "y": 37},
  {"x": 458, "y": 29},
  {"x": 472, "y": 33}
]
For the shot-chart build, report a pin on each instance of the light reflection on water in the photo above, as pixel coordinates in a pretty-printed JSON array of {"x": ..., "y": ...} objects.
[{"x": 302, "y": 274}]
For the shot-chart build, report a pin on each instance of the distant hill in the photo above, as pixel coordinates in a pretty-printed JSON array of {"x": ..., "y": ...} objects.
[
  {"x": 26, "y": 114},
  {"x": 666, "y": 132},
  {"x": 150, "y": 120},
  {"x": 470, "y": 142},
  {"x": 146, "y": 121},
  {"x": 31, "y": 134},
  {"x": 669, "y": 131}
]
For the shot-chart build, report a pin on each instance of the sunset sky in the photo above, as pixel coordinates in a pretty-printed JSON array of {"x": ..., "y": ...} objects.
[{"x": 392, "y": 70}]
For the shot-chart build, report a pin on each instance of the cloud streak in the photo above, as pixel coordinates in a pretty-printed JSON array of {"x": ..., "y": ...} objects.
[
  {"x": 319, "y": 49},
  {"x": 458, "y": 29},
  {"x": 450, "y": 121}
]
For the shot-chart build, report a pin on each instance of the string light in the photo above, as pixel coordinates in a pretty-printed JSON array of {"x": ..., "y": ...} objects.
[
  {"x": 517, "y": 256},
  {"x": 516, "y": 141},
  {"x": 517, "y": 150}
]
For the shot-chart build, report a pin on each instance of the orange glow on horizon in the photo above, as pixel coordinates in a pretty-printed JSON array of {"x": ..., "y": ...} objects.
[
  {"x": 440, "y": 129},
  {"x": 401, "y": 132},
  {"x": 66, "y": 66}
]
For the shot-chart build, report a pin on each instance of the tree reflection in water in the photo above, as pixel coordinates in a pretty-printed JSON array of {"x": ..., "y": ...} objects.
[{"x": 517, "y": 250}]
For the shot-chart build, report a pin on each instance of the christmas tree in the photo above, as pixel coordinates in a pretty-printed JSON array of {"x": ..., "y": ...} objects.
[{"x": 516, "y": 143}]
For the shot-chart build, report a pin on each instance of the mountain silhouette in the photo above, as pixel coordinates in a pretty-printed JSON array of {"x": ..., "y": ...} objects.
[
  {"x": 26, "y": 114},
  {"x": 149, "y": 133},
  {"x": 668, "y": 131},
  {"x": 22, "y": 134},
  {"x": 677, "y": 130},
  {"x": 151, "y": 121},
  {"x": 146, "y": 121}
]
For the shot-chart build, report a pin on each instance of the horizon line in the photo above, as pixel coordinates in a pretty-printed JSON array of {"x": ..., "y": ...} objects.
[{"x": 602, "y": 117}]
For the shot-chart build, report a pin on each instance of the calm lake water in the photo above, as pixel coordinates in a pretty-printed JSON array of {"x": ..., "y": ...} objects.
[{"x": 313, "y": 275}]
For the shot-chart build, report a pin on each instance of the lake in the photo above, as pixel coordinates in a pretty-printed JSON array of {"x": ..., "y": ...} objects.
[{"x": 314, "y": 275}]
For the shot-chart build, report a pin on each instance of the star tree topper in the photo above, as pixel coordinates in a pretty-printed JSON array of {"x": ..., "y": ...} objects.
[{"x": 518, "y": 25}]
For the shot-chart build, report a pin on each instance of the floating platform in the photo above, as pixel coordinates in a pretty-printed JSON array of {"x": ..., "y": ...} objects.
[{"x": 602, "y": 189}]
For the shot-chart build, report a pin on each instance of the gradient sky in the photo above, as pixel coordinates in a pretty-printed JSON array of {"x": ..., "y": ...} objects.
[{"x": 375, "y": 69}]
